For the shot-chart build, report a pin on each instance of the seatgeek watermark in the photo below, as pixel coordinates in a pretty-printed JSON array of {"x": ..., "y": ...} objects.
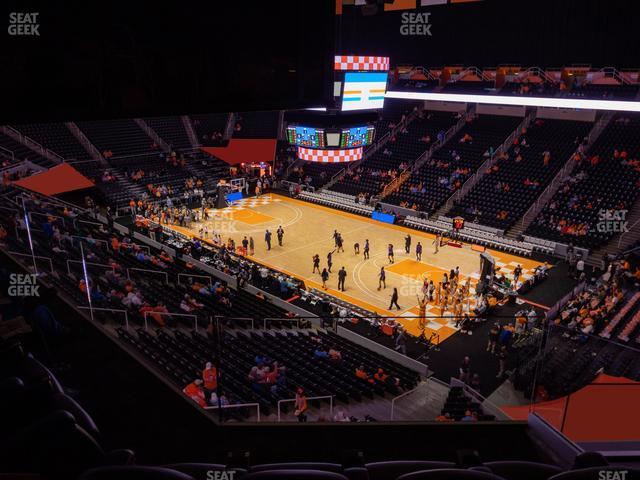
[
  {"x": 612, "y": 474},
  {"x": 23, "y": 285},
  {"x": 221, "y": 474},
  {"x": 415, "y": 24},
  {"x": 24, "y": 24},
  {"x": 612, "y": 221}
]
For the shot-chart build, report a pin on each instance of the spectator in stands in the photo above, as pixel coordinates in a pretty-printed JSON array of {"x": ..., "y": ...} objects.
[
  {"x": 301, "y": 405},
  {"x": 401, "y": 342},
  {"x": 210, "y": 377},
  {"x": 320, "y": 353},
  {"x": 502, "y": 361},
  {"x": 335, "y": 354},
  {"x": 195, "y": 392},
  {"x": 464, "y": 372},
  {"x": 362, "y": 374}
]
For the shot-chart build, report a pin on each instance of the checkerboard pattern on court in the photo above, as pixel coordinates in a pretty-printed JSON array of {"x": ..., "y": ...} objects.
[
  {"x": 445, "y": 327},
  {"x": 253, "y": 202}
]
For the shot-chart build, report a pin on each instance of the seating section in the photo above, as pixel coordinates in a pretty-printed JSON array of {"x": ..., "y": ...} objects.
[
  {"x": 55, "y": 137},
  {"x": 606, "y": 179},
  {"x": 398, "y": 153},
  {"x": 171, "y": 130},
  {"x": 314, "y": 174},
  {"x": 45, "y": 431},
  {"x": 459, "y": 406},
  {"x": 210, "y": 127},
  {"x": 119, "y": 137},
  {"x": 256, "y": 124},
  {"x": 507, "y": 190},
  {"x": 450, "y": 166},
  {"x": 469, "y": 86},
  {"x": 20, "y": 152},
  {"x": 576, "y": 350},
  {"x": 183, "y": 355}
]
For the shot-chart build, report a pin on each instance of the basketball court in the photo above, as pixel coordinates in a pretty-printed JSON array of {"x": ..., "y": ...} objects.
[{"x": 309, "y": 230}]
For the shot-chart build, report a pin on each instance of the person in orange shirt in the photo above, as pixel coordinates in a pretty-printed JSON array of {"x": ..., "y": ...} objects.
[
  {"x": 444, "y": 418},
  {"x": 362, "y": 374},
  {"x": 115, "y": 244},
  {"x": 301, "y": 405},
  {"x": 194, "y": 392},
  {"x": 210, "y": 377},
  {"x": 380, "y": 376}
]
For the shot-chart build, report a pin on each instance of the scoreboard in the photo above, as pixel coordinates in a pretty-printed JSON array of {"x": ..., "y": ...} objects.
[
  {"x": 357, "y": 136},
  {"x": 306, "y": 136}
]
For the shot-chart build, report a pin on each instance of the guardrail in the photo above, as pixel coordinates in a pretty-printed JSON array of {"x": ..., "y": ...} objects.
[
  {"x": 239, "y": 405},
  {"x": 267, "y": 320},
  {"x": 69, "y": 262},
  {"x": 487, "y": 405},
  {"x": 193, "y": 275},
  {"x": 166, "y": 275},
  {"x": 18, "y": 254},
  {"x": 97, "y": 309},
  {"x": 147, "y": 313},
  {"x": 217, "y": 319},
  {"x": 289, "y": 400},
  {"x": 402, "y": 395}
]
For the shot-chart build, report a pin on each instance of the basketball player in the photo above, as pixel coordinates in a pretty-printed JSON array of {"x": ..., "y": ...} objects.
[
  {"x": 356, "y": 248},
  {"x": 251, "y": 246},
  {"x": 316, "y": 263},
  {"x": 407, "y": 244},
  {"x": 390, "y": 253},
  {"x": 436, "y": 242},
  {"x": 422, "y": 312},
  {"x": 419, "y": 252},
  {"x": 325, "y": 276},
  {"x": 335, "y": 238},
  {"x": 339, "y": 243},
  {"x": 330, "y": 259},
  {"x": 366, "y": 249},
  {"x": 382, "y": 278},
  {"x": 280, "y": 234}
]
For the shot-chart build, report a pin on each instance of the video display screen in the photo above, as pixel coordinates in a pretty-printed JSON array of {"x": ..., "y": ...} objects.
[
  {"x": 364, "y": 90},
  {"x": 357, "y": 136},
  {"x": 306, "y": 136}
]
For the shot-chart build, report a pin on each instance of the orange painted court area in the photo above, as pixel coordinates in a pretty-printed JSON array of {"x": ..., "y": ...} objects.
[{"x": 309, "y": 230}]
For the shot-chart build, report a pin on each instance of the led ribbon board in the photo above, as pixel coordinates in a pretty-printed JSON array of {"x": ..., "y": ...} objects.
[
  {"x": 330, "y": 156},
  {"x": 552, "y": 102},
  {"x": 361, "y": 63}
]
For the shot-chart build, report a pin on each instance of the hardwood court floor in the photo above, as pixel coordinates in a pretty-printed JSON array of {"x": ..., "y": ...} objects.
[{"x": 308, "y": 230}]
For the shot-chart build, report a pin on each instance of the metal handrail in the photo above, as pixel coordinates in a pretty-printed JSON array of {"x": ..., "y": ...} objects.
[
  {"x": 455, "y": 382},
  {"x": 239, "y": 405},
  {"x": 111, "y": 267},
  {"x": 13, "y": 156},
  {"x": 208, "y": 277},
  {"x": 166, "y": 275},
  {"x": 393, "y": 400},
  {"x": 271, "y": 319},
  {"x": 245, "y": 319},
  {"x": 33, "y": 256},
  {"x": 147, "y": 313},
  {"x": 126, "y": 314},
  {"x": 289, "y": 400}
]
